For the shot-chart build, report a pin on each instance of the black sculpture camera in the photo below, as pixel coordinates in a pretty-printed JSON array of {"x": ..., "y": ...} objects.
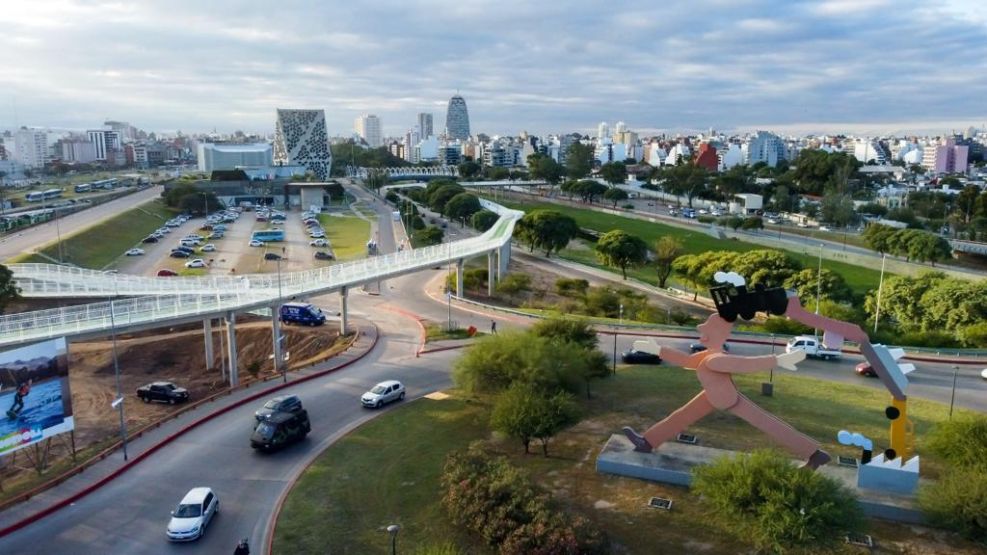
[{"x": 735, "y": 300}]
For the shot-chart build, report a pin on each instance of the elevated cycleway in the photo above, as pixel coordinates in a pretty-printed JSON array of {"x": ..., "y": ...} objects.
[{"x": 153, "y": 302}]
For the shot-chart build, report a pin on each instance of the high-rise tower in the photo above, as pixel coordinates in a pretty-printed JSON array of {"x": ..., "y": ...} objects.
[
  {"x": 457, "y": 119},
  {"x": 300, "y": 138},
  {"x": 425, "y": 125}
]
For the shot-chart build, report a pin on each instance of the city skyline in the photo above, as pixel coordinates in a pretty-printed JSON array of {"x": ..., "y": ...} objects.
[{"x": 867, "y": 66}]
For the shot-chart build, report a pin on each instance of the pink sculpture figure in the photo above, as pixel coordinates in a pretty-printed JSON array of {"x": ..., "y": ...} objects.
[{"x": 714, "y": 368}]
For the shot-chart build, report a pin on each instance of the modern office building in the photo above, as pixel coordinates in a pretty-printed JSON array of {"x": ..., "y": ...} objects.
[
  {"x": 602, "y": 131},
  {"x": 300, "y": 138},
  {"x": 765, "y": 147},
  {"x": 106, "y": 142},
  {"x": 457, "y": 119},
  {"x": 231, "y": 156},
  {"x": 78, "y": 150},
  {"x": 31, "y": 147},
  {"x": 367, "y": 127},
  {"x": 425, "y": 125}
]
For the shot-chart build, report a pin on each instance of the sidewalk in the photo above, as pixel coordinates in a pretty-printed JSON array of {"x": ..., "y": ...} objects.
[{"x": 141, "y": 447}]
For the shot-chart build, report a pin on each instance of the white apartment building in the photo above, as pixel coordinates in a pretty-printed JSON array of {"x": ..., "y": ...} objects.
[
  {"x": 213, "y": 157},
  {"x": 368, "y": 127},
  {"x": 104, "y": 141},
  {"x": 31, "y": 147},
  {"x": 765, "y": 147}
]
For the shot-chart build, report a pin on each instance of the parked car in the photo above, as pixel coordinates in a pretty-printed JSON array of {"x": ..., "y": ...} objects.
[
  {"x": 383, "y": 393},
  {"x": 823, "y": 228},
  {"x": 150, "y": 239},
  {"x": 166, "y": 273},
  {"x": 317, "y": 234},
  {"x": 865, "y": 369},
  {"x": 134, "y": 252},
  {"x": 302, "y": 313},
  {"x": 208, "y": 247},
  {"x": 162, "y": 392},
  {"x": 634, "y": 356},
  {"x": 280, "y": 429},
  {"x": 281, "y": 403},
  {"x": 164, "y": 230},
  {"x": 812, "y": 346},
  {"x": 699, "y": 347},
  {"x": 189, "y": 250},
  {"x": 216, "y": 235},
  {"x": 206, "y": 227},
  {"x": 194, "y": 512},
  {"x": 323, "y": 255},
  {"x": 179, "y": 254},
  {"x": 256, "y": 243},
  {"x": 319, "y": 243},
  {"x": 983, "y": 374},
  {"x": 196, "y": 263},
  {"x": 272, "y": 256}
]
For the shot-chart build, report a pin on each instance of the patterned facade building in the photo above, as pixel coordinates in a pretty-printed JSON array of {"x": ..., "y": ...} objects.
[
  {"x": 300, "y": 138},
  {"x": 457, "y": 119}
]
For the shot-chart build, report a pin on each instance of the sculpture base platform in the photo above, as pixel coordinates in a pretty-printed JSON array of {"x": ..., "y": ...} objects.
[{"x": 672, "y": 463}]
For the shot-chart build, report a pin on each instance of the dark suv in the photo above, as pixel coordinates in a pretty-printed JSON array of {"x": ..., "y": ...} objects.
[
  {"x": 280, "y": 429},
  {"x": 281, "y": 403}
]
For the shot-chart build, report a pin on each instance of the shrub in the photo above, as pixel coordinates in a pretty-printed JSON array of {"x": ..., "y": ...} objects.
[
  {"x": 525, "y": 413},
  {"x": 493, "y": 499},
  {"x": 571, "y": 287},
  {"x": 446, "y": 548},
  {"x": 777, "y": 506},
  {"x": 784, "y": 326},
  {"x": 417, "y": 222},
  {"x": 975, "y": 335},
  {"x": 571, "y": 330},
  {"x": 513, "y": 284},
  {"x": 392, "y": 197},
  {"x": 962, "y": 442},
  {"x": 958, "y": 501}
]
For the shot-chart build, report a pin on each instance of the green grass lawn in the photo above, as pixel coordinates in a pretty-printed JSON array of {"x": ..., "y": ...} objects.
[
  {"x": 347, "y": 234},
  {"x": 435, "y": 331},
  {"x": 98, "y": 246},
  {"x": 375, "y": 476},
  {"x": 860, "y": 279}
]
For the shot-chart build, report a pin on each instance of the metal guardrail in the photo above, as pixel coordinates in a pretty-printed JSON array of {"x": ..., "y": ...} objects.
[{"x": 176, "y": 298}]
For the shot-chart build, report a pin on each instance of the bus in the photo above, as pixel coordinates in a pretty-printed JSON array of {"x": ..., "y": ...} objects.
[
  {"x": 105, "y": 184},
  {"x": 83, "y": 187},
  {"x": 35, "y": 196},
  {"x": 52, "y": 193},
  {"x": 267, "y": 235}
]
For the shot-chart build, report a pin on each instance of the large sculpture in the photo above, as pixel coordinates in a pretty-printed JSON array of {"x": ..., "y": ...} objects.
[{"x": 714, "y": 369}]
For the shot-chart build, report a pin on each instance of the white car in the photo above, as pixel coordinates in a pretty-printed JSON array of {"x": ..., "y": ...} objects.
[
  {"x": 317, "y": 235},
  {"x": 319, "y": 243},
  {"x": 209, "y": 247},
  {"x": 194, "y": 512},
  {"x": 196, "y": 263},
  {"x": 256, "y": 243},
  {"x": 383, "y": 393},
  {"x": 823, "y": 228},
  {"x": 134, "y": 252},
  {"x": 164, "y": 230},
  {"x": 983, "y": 374}
]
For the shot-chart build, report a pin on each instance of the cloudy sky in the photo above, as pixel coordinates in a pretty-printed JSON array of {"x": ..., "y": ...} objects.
[{"x": 787, "y": 65}]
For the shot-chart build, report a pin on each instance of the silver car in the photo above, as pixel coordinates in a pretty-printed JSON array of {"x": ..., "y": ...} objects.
[{"x": 383, "y": 393}]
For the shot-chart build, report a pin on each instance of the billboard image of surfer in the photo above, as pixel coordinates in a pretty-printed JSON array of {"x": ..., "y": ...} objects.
[{"x": 35, "y": 402}]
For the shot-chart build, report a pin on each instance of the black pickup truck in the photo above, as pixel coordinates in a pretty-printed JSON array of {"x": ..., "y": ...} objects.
[{"x": 163, "y": 392}]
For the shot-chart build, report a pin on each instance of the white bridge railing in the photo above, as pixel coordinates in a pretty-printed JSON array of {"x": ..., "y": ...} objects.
[{"x": 175, "y": 298}]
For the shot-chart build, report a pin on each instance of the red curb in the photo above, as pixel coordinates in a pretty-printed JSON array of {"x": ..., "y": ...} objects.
[
  {"x": 418, "y": 319},
  {"x": 447, "y": 348},
  {"x": 172, "y": 437}
]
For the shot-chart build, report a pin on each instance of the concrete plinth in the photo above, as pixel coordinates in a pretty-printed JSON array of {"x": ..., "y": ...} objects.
[{"x": 672, "y": 463}]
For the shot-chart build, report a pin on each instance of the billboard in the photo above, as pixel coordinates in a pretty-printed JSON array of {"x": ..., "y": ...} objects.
[{"x": 35, "y": 402}]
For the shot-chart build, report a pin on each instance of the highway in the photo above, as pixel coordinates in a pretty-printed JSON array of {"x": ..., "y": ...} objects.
[{"x": 31, "y": 238}]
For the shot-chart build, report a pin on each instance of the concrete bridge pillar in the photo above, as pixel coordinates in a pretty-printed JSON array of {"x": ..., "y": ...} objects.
[
  {"x": 207, "y": 335},
  {"x": 460, "y": 268},
  {"x": 231, "y": 345},
  {"x": 278, "y": 338},
  {"x": 491, "y": 272},
  {"x": 342, "y": 311},
  {"x": 504, "y": 259}
]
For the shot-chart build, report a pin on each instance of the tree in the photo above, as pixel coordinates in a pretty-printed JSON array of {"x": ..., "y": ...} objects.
[
  {"x": 832, "y": 286},
  {"x": 667, "y": 249},
  {"x": 427, "y": 237},
  {"x": 545, "y": 167},
  {"x": 698, "y": 269},
  {"x": 614, "y": 172},
  {"x": 524, "y": 413},
  {"x": 469, "y": 169},
  {"x": 575, "y": 331},
  {"x": 878, "y": 236},
  {"x": 483, "y": 220},
  {"x": 838, "y": 210},
  {"x": 620, "y": 249},
  {"x": 928, "y": 247},
  {"x": 196, "y": 203},
  {"x": 588, "y": 189},
  {"x": 763, "y": 498},
  {"x": 549, "y": 230},
  {"x": 462, "y": 206},
  {"x": 438, "y": 198},
  {"x": 578, "y": 160},
  {"x": 753, "y": 223},
  {"x": 768, "y": 267},
  {"x": 734, "y": 222},
  {"x": 687, "y": 179},
  {"x": 615, "y": 195},
  {"x": 376, "y": 178},
  {"x": 9, "y": 291}
]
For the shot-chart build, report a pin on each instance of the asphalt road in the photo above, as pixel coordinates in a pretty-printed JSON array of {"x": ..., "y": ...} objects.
[
  {"x": 130, "y": 514},
  {"x": 31, "y": 238}
]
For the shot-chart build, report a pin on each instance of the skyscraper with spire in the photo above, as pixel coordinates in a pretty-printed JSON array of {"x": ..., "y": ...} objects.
[{"x": 457, "y": 119}]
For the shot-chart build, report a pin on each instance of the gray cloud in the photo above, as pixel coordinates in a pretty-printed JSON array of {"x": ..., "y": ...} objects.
[{"x": 543, "y": 67}]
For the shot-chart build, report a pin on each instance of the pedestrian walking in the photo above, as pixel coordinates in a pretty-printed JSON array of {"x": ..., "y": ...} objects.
[{"x": 493, "y": 327}]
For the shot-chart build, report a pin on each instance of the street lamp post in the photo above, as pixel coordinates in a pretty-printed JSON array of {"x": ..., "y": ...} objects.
[
  {"x": 280, "y": 359},
  {"x": 58, "y": 233},
  {"x": 818, "y": 285},
  {"x": 615, "y": 331},
  {"x": 393, "y": 531},
  {"x": 116, "y": 371},
  {"x": 880, "y": 286},
  {"x": 952, "y": 396},
  {"x": 205, "y": 203}
]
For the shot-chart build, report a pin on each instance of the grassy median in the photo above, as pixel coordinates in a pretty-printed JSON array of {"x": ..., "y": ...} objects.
[
  {"x": 347, "y": 235},
  {"x": 388, "y": 470},
  {"x": 98, "y": 246}
]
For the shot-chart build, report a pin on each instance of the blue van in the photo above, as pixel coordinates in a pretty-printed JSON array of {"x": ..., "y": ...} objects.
[{"x": 302, "y": 313}]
